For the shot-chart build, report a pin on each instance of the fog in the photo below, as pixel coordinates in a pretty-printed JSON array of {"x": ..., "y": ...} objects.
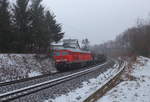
[{"x": 97, "y": 20}]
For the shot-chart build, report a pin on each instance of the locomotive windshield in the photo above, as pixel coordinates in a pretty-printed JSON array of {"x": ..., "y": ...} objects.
[
  {"x": 57, "y": 54},
  {"x": 65, "y": 53}
]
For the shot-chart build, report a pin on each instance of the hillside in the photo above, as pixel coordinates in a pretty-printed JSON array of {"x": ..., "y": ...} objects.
[{"x": 17, "y": 66}]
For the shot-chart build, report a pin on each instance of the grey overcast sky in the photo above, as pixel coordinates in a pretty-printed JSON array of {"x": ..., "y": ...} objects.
[{"x": 97, "y": 20}]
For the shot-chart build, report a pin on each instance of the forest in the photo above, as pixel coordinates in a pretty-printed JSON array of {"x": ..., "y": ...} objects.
[
  {"x": 134, "y": 41},
  {"x": 27, "y": 27}
]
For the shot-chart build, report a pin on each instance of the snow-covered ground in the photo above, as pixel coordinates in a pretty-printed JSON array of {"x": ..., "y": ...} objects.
[
  {"x": 16, "y": 66},
  {"x": 88, "y": 88},
  {"x": 136, "y": 88}
]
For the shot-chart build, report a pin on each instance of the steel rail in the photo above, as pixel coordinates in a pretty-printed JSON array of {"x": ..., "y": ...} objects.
[
  {"x": 24, "y": 79},
  {"x": 37, "y": 87}
]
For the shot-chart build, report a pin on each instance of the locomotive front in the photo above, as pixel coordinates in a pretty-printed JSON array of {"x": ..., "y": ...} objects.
[{"x": 62, "y": 58}]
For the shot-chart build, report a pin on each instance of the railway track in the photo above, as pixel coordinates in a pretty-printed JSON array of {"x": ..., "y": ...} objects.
[
  {"x": 12, "y": 85},
  {"x": 22, "y": 80},
  {"x": 21, "y": 92},
  {"x": 17, "y": 84},
  {"x": 109, "y": 84}
]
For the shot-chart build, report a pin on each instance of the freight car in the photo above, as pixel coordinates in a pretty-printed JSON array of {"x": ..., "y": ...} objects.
[{"x": 70, "y": 58}]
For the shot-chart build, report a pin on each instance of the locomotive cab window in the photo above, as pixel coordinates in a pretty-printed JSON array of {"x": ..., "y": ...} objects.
[
  {"x": 57, "y": 54},
  {"x": 65, "y": 53}
]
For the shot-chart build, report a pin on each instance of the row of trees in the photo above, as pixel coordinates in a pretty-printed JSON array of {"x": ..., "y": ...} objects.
[
  {"x": 133, "y": 41},
  {"x": 26, "y": 27},
  {"x": 137, "y": 39}
]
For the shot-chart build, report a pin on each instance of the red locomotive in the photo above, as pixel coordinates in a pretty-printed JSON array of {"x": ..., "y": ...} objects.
[{"x": 70, "y": 55}]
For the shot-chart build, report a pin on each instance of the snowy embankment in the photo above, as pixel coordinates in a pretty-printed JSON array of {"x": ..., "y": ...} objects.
[
  {"x": 87, "y": 88},
  {"x": 135, "y": 88},
  {"x": 17, "y": 66}
]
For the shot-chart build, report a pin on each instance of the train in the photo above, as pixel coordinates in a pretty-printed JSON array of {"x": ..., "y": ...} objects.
[
  {"x": 72, "y": 57},
  {"x": 68, "y": 58}
]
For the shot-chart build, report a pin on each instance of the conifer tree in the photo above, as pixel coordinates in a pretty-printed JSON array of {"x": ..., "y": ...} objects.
[
  {"x": 38, "y": 26},
  {"x": 5, "y": 26},
  {"x": 55, "y": 28},
  {"x": 22, "y": 25}
]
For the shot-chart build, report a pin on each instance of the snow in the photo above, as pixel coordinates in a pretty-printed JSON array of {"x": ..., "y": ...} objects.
[
  {"x": 18, "y": 66},
  {"x": 135, "y": 90},
  {"x": 88, "y": 88},
  {"x": 34, "y": 73}
]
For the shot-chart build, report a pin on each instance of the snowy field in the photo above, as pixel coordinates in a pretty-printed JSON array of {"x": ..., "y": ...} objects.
[
  {"x": 80, "y": 94},
  {"x": 135, "y": 90}
]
